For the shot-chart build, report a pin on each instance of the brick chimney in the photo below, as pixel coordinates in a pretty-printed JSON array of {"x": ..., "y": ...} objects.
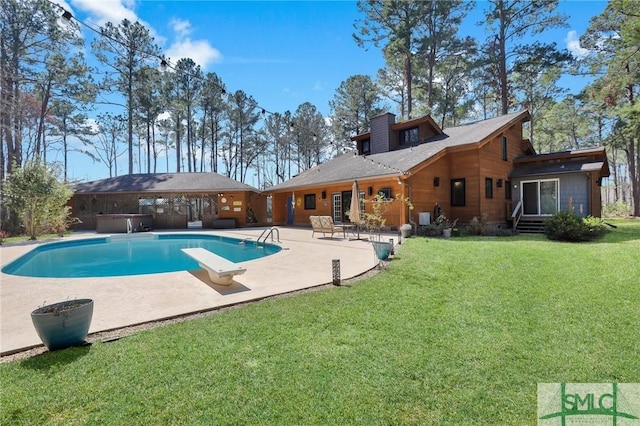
[{"x": 381, "y": 132}]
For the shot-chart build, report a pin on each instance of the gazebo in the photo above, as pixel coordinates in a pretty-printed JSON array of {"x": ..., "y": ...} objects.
[{"x": 140, "y": 202}]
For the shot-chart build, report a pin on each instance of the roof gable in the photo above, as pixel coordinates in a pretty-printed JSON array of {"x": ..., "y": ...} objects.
[{"x": 350, "y": 166}]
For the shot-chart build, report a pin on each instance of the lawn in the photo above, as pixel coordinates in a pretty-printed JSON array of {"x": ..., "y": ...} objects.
[{"x": 455, "y": 331}]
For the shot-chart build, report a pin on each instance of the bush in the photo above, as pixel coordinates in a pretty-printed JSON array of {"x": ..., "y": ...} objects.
[
  {"x": 478, "y": 226},
  {"x": 568, "y": 226},
  {"x": 618, "y": 209},
  {"x": 595, "y": 226},
  {"x": 431, "y": 230}
]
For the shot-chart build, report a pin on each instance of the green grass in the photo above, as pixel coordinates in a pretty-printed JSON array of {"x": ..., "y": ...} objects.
[{"x": 456, "y": 331}]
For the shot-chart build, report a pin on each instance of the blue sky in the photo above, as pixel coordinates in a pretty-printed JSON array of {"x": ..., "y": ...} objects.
[{"x": 283, "y": 53}]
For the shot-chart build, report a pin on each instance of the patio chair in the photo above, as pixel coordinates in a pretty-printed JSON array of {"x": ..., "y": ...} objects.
[{"x": 325, "y": 225}]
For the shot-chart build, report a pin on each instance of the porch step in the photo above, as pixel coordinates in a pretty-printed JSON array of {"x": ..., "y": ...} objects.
[{"x": 530, "y": 226}]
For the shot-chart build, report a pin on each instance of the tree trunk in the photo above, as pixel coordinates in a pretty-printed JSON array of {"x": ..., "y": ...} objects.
[
  {"x": 504, "y": 88},
  {"x": 407, "y": 80}
]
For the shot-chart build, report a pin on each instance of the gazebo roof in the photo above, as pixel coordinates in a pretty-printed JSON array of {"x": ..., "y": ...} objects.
[{"x": 163, "y": 182}]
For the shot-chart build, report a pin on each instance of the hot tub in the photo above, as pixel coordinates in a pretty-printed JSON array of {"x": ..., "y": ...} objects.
[{"x": 123, "y": 223}]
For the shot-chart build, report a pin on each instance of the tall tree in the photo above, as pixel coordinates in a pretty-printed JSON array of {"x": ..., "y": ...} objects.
[
  {"x": 126, "y": 48},
  {"x": 356, "y": 101},
  {"x": 66, "y": 123},
  {"x": 510, "y": 21},
  {"x": 212, "y": 105},
  {"x": 241, "y": 117},
  {"x": 110, "y": 133},
  {"x": 613, "y": 41},
  {"x": 148, "y": 97},
  {"x": 189, "y": 78},
  {"x": 535, "y": 87},
  {"x": 29, "y": 31},
  {"x": 439, "y": 40},
  {"x": 395, "y": 25},
  {"x": 277, "y": 134},
  {"x": 309, "y": 127}
]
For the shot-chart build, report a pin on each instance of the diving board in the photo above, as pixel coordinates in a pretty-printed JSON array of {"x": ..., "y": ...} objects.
[{"x": 221, "y": 271}]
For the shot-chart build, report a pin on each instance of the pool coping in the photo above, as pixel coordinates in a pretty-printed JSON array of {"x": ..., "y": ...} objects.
[{"x": 304, "y": 262}]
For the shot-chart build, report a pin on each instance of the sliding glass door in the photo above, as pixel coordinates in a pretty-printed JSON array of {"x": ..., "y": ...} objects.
[{"x": 540, "y": 198}]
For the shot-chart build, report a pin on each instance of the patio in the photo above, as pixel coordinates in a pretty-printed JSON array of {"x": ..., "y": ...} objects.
[{"x": 304, "y": 262}]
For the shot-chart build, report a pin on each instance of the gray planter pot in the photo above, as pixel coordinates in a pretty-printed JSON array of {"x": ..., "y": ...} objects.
[
  {"x": 382, "y": 249},
  {"x": 446, "y": 232},
  {"x": 63, "y": 324}
]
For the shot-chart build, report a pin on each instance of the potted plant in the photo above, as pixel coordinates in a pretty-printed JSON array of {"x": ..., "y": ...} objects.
[
  {"x": 63, "y": 324},
  {"x": 446, "y": 225},
  {"x": 406, "y": 230},
  {"x": 375, "y": 222}
]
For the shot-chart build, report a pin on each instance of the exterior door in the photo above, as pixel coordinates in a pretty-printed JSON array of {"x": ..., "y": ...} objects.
[
  {"x": 540, "y": 198},
  {"x": 337, "y": 207},
  {"x": 289, "y": 210}
]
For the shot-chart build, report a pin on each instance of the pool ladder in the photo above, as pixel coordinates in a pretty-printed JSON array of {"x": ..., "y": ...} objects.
[
  {"x": 266, "y": 233},
  {"x": 129, "y": 226}
]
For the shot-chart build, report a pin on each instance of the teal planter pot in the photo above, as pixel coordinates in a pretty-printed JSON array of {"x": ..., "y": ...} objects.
[
  {"x": 63, "y": 324},
  {"x": 382, "y": 249}
]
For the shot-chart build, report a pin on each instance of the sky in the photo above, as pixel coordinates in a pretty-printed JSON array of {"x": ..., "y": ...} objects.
[{"x": 282, "y": 53}]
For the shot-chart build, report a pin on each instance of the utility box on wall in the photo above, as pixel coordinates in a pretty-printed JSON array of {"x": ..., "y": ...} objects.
[{"x": 424, "y": 218}]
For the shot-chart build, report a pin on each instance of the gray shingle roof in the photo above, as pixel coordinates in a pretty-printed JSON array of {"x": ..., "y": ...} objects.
[
  {"x": 349, "y": 167},
  {"x": 163, "y": 182},
  {"x": 559, "y": 168}
]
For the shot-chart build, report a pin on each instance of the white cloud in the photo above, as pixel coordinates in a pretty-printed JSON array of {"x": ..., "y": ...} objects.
[
  {"x": 199, "y": 50},
  {"x": 114, "y": 11},
  {"x": 180, "y": 27},
  {"x": 573, "y": 45},
  {"x": 104, "y": 11}
]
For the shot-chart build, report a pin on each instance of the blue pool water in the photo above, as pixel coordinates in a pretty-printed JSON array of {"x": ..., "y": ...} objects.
[{"x": 120, "y": 255}]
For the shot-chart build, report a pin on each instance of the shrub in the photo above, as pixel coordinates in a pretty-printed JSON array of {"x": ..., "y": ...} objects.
[
  {"x": 568, "y": 226},
  {"x": 595, "y": 226},
  {"x": 431, "y": 230},
  {"x": 618, "y": 209},
  {"x": 477, "y": 226}
]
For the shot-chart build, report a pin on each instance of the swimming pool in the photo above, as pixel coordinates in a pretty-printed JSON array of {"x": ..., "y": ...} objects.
[{"x": 120, "y": 255}]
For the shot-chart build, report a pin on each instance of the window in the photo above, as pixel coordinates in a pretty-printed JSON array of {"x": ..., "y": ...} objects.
[
  {"x": 504, "y": 148},
  {"x": 309, "y": 201},
  {"x": 366, "y": 147},
  {"x": 385, "y": 192},
  {"x": 507, "y": 190},
  {"x": 488, "y": 187},
  {"x": 458, "y": 192},
  {"x": 409, "y": 136}
]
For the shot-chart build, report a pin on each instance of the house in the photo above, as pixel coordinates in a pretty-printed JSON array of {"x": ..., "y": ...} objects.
[
  {"x": 566, "y": 181},
  {"x": 166, "y": 201},
  {"x": 474, "y": 170}
]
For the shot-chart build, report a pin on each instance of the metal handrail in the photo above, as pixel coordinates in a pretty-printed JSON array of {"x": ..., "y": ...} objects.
[
  {"x": 517, "y": 214},
  {"x": 268, "y": 232}
]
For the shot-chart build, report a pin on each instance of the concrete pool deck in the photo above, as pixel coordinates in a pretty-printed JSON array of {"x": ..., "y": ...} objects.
[{"x": 303, "y": 262}]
